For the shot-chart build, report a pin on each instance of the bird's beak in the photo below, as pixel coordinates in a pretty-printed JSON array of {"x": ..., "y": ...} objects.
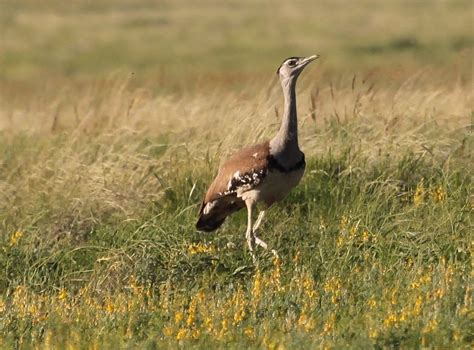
[{"x": 309, "y": 59}]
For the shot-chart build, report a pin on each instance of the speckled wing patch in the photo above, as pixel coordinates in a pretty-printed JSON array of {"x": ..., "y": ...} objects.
[{"x": 243, "y": 182}]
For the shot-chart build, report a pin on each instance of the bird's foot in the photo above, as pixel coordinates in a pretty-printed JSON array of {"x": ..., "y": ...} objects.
[
  {"x": 254, "y": 258},
  {"x": 264, "y": 245},
  {"x": 251, "y": 243},
  {"x": 261, "y": 243}
]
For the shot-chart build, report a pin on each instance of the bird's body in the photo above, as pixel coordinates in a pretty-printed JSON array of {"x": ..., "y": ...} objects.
[
  {"x": 261, "y": 173},
  {"x": 254, "y": 174}
]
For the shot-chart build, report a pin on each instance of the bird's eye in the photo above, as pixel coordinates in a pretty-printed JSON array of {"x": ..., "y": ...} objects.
[{"x": 291, "y": 63}]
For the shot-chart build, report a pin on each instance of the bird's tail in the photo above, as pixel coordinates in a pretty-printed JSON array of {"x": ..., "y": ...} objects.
[
  {"x": 212, "y": 215},
  {"x": 208, "y": 223}
]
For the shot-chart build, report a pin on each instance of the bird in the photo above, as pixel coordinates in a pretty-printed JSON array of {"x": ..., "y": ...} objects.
[{"x": 263, "y": 173}]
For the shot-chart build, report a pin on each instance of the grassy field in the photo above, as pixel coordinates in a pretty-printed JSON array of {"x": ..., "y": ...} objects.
[{"x": 114, "y": 117}]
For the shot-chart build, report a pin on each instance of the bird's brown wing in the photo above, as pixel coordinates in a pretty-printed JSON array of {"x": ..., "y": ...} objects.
[{"x": 241, "y": 172}]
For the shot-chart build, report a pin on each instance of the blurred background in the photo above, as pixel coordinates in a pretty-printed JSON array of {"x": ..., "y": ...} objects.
[{"x": 182, "y": 44}]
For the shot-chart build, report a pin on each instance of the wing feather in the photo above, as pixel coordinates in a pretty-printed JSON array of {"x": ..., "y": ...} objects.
[{"x": 242, "y": 172}]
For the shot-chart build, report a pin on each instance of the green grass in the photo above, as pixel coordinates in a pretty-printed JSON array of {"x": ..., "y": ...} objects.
[
  {"x": 100, "y": 246},
  {"x": 102, "y": 173}
]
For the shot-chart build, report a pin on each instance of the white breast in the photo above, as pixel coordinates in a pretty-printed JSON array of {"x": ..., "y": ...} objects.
[{"x": 274, "y": 187}]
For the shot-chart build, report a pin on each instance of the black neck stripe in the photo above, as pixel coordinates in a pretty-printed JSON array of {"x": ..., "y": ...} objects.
[{"x": 274, "y": 164}]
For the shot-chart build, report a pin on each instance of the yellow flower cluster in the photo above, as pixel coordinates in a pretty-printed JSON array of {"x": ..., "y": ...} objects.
[
  {"x": 257, "y": 289},
  {"x": 431, "y": 326},
  {"x": 329, "y": 324},
  {"x": 437, "y": 194},
  {"x": 275, "y": 276},
  {"x": 333, "y": 287},
  {"x": 240, "y": 306},
  {"x": 306, "y": 319},
  {"x": 15, "y": 237},
  {"x": 349, "y": 233},
  {"x": 419, "y": 193},
  {"x": 201, "y": 248},
  {"x": 186, "y": 317}
]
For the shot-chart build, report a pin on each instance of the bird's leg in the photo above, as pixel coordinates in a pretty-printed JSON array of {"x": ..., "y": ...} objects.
[
  {"x": 264, "y": 245},
  {"x": 249, "y": 235},
  {"x": 259, "y": 220},
  {"x": 258, "y": 241}
]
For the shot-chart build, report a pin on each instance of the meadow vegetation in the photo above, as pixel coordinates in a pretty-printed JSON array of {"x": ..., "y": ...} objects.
[{"x": 114, "y": 117}]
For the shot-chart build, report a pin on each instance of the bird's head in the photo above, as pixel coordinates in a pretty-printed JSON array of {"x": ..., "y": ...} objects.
[{"x": 293, "y": 66}]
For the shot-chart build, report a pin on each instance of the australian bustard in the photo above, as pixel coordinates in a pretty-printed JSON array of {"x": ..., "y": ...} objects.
[{"x": 262, "y": 173}]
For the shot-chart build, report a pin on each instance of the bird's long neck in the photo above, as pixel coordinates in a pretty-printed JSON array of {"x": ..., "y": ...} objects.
[{"x": 286, "y": 140}]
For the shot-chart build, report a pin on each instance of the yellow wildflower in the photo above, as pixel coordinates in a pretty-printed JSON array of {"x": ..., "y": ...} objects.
[
  {"x": 419, "y": 193},
  {"x": 269, "y": 344},
  {"x": 47, "y": 339},
  {"x": 181, "y": 334},
  {"x": 418, "y": 305},
  {"x": 15, "y": 237},
  {"x": 201, "y": 248},
  {"x": 249, "y": 332},
  {"x": 332, "y": 285},
  {"x": 393, "y": 296},
  {"x": 463, "y": 310},
  {"x": 195, "y": 334},
  {"x": 200, "y": 296},
  {"x": 62, "y": 295},
  {"x": 438, "y": 194},
  {"x": 373, "y": 333},
  {"x": 239, "y": 315},
  {"x": 372, "y": 303},
  {"x": 209, "y": 324},
  {"x": 438, "y": 293},
  {"x": 178, "y": 316},
  {"x": 329, "y": 324},
  {"x": 343, "y": 223},
  {"x": 276, "y": 274},
  {"x": 390, "y": 320},
  {"x": 353, "y": 232},
  {"x": 404, "y": 314},
  {"x": 365, "y": 236},
  {"x": 109, "y": 306},
  {"x": 224, "y": 328},
  {"x": 168, "y": 331},
  {"x": 431, "y": 326},
  {"x": 191, "y": 314},
  {"x": 257, "y": 288},
  {"x": 308, "y": 286},
  {"x": 302, "y": 320},
  {"x": 309, "y": 325}
]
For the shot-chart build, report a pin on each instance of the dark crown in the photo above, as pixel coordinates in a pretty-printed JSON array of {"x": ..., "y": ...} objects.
[{"x": 289, "y": 58}]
